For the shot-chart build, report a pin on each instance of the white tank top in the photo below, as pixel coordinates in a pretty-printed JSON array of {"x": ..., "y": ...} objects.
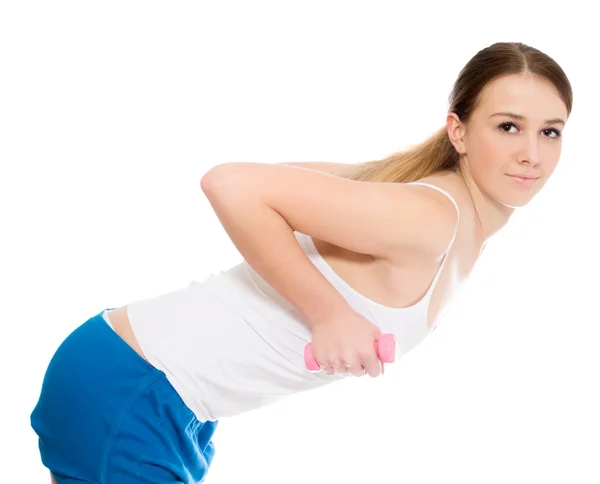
[{"x": 232, "y": 343}]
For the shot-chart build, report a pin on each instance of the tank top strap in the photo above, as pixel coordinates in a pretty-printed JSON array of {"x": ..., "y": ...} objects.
[
  {"x": 441, "y": 268},
  {"x": 441, "y": 190}
]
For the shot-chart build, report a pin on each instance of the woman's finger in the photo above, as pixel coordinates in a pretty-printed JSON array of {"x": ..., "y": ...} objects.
[
  {"x": 372, "y": 364},
  {"x": 328, "y": 370},
  {"x": 342, "y": 368},
  {"x": 357, "y": 370}
]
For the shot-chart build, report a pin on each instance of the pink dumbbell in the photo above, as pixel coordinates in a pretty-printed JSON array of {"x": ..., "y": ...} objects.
[{"x": 385, "y": 347}]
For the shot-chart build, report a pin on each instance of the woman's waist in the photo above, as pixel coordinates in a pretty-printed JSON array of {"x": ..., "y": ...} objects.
[{"x": 121, "y": 325}]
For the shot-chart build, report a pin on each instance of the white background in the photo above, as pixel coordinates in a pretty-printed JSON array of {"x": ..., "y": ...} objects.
[{"x": 110, "y": 114}]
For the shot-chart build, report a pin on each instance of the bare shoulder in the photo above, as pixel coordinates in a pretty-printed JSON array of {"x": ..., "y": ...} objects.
[
  {"x": 438, "y": 219},
  {"x": 452, "y": 184}
]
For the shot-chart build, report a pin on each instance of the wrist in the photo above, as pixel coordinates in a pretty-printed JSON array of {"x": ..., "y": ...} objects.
[{"x": 328, "y": 312}]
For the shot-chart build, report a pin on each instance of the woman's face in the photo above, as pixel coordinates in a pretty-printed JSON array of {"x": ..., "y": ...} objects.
[{"x": 515, "y": 130}]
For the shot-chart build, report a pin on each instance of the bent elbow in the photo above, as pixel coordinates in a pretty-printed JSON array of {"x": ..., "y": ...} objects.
[{"x": 213, "y": 179}]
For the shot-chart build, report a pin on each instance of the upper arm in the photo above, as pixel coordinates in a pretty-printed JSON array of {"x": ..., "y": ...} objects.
[
  {"x": 380, "y": 219},
  {"x": 333, "y": 168}
]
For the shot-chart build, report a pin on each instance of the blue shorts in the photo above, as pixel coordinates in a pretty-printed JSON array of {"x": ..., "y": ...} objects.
[{"x": 105, "y": 415}]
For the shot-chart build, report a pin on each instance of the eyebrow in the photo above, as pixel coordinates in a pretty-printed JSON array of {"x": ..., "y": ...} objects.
[{"x": 521, "y": 118}]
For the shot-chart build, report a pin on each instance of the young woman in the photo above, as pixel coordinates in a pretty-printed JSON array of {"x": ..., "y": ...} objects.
[{"x": 334, "y": 254}]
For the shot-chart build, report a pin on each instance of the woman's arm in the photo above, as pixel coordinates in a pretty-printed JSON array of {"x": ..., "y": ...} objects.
[
  {"x": 268, "y": 244},
  {"x": 333, "y": 168},
  {"x": 260, "y": 205}
]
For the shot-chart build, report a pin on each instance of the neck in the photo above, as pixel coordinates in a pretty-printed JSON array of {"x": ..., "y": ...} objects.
[{"x": 491, "y": 215}]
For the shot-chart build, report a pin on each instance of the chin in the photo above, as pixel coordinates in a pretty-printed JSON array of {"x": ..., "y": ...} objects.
[
  {"x": 514, "y": 205},
  {"x": 519, "y": 195},
  {"x": 517, "y": 201}
]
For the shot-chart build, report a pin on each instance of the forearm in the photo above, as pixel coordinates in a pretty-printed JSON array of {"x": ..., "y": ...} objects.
[{"x": 267, "y": 243}]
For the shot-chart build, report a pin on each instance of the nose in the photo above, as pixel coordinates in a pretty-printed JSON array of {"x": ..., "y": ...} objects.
[{"x": 530, "y": 152}]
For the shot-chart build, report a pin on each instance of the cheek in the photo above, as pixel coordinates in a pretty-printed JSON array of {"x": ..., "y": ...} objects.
[
  {"x": 489, "y": 154},
  {"x": 551, "y": 156}
]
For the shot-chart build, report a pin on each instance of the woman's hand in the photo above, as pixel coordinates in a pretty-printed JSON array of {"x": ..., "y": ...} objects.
[{"x": 346, "y": 343}]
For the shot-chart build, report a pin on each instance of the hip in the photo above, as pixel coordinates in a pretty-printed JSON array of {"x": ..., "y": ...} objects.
[{"x": 105, "y": 411}]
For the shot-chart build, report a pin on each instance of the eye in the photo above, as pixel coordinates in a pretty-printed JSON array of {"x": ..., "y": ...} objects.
[
  {"x": 556, "y": 132},
  {"x": 508, "y": 125}
]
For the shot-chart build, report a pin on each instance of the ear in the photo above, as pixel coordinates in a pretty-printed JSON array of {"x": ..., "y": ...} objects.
[{"x": 456, "y": 132}]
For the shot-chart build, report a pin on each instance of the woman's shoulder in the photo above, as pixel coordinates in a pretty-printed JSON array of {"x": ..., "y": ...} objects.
[
  {"x": 453, "y": 184},
  {"x": 454, "y": 187}
]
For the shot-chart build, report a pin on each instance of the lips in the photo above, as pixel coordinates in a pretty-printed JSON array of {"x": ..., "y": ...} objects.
[
  {"x": 527, "y": 177},
  {"x": 523, "y": 181}
]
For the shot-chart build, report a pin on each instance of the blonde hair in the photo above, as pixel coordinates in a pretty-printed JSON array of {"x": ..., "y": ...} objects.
[{"x": 437, "y": 153}]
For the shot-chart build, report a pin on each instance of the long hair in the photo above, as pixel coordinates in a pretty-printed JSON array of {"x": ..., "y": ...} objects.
[{"x": 437, "y": 153}]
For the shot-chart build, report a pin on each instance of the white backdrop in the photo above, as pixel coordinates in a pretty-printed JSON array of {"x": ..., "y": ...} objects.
[{"x": 110, "y": 114}]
